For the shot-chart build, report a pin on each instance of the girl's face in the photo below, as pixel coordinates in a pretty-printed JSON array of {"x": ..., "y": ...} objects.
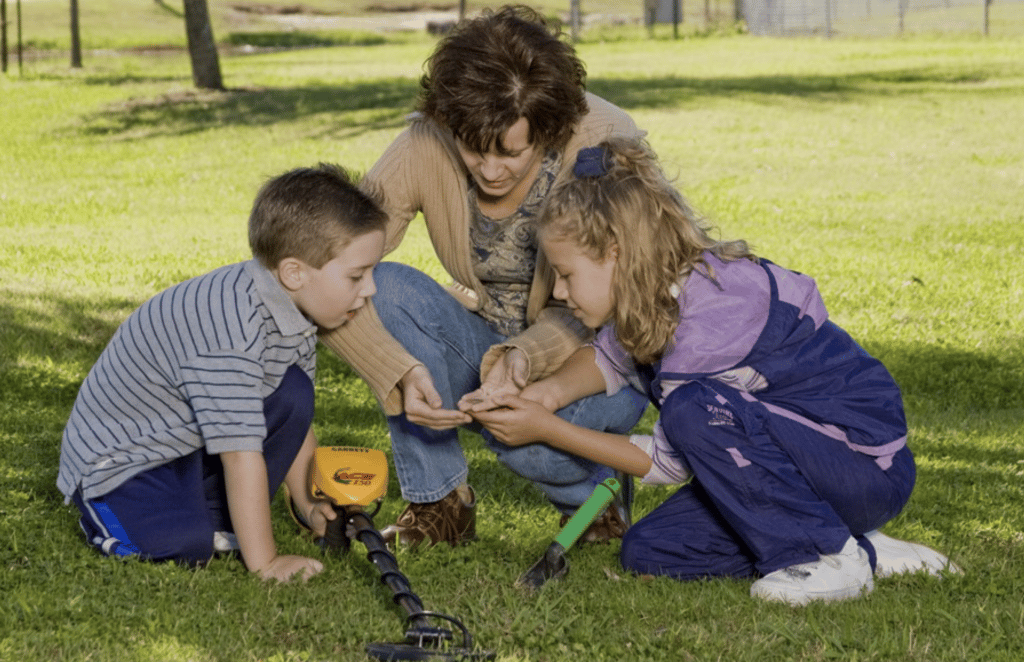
[
  {"x": 583, "y": 283},
  {"x": 501, "y": 176}
]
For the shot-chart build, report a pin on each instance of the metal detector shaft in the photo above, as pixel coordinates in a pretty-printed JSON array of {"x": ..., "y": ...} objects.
[
  {"x": 423, "y": 641},
  {"x": 378, "y": 554}
]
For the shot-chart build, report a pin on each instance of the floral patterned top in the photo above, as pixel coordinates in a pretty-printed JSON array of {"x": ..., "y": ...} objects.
[{"x": 505, "y": 252}]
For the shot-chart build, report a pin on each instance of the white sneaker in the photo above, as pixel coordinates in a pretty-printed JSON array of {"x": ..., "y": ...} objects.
[
  {"x": 898, "y": 556},
  {"x": 224, "y": 541},
  {"x": 846, "y": 574}
]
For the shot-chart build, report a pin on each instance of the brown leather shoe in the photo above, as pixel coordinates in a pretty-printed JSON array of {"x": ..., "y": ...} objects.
[
  {"x": 607, "y": 526},
  {"x": 451, "y": 520}
]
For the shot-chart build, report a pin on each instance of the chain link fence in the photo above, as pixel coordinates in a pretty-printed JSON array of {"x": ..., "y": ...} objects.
[
  {"x": 874, "y": 17},
  {"x": 847, "y": 18}
]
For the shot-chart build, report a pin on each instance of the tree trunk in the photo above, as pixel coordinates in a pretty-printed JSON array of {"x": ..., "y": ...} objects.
[
  {"x": 3, "y": 36},
  {"x": 76, "y": 39},
  {"x": 202, "y": 49},
  {"x": 575, "y": 18}
]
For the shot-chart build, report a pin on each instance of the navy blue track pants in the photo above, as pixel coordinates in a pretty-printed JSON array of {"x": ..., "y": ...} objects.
[
  {"x": 172, "y": 511},
  {"x": 768, "y": 492}
]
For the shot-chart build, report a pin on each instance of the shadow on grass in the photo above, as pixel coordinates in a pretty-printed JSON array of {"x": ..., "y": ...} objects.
[
  {"x": 349, "y": 110},
  {"x": 964, "y": 409},
  {"x": 973, "y": 381},
  {"x": 49, "y": 344},
  {"x": 671, "y": 91},
  {"x": 358, "y": 107}
]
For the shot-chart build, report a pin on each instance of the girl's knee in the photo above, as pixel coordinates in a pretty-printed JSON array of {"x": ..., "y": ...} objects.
[
  {"x": 687, "y": 413},
  {"x": 637, "y": 552}
]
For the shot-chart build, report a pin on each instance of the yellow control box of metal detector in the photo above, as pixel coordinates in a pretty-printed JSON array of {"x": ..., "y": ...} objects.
[{"x": 349, "y": 475}]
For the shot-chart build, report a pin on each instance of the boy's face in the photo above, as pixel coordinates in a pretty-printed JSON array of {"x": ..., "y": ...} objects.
[{"x": 331, "y": 295}]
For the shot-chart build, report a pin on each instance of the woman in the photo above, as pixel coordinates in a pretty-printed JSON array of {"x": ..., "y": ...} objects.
[{"x": 503, "y": 108}]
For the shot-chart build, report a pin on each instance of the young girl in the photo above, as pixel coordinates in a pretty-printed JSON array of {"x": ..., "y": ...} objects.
[{"x": 794, "y": 437}]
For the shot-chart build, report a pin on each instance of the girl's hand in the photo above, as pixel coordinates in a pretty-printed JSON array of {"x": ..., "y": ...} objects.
[
  {"x": 507, "y": 377},
  {"x": 423, "y": 404},
  {"x": 544, "y": 393},
  {"x": 516, "y": 421},
  {"x": 284, "y": 568}
]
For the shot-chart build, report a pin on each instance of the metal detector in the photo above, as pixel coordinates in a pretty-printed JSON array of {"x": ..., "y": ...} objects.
[{"x": 352, "y": 478}]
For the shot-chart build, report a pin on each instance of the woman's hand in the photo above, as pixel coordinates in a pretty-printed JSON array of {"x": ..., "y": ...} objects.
[
  {"x": 516, "y": 421},
  {"x": 423, "y": 404},
  {"x": 507, "y": 377}
]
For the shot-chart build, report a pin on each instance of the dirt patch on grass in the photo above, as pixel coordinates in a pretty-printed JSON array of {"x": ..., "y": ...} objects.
[{"x": 374, "y": 18}]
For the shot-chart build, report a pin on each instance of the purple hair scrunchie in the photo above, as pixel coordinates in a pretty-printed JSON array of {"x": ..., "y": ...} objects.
[{"x": 591, "y": 162}]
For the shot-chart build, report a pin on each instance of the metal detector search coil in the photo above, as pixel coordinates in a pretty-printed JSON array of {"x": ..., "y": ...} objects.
[{"x": 349, "y": 475}]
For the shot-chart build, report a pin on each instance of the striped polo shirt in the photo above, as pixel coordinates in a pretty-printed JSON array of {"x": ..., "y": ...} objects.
[{"x": 189, "y": 369}]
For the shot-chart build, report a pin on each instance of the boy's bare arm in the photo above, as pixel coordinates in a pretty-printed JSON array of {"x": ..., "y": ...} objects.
[
  {"x": 245, "y": 476},
  {"x": 315, "y": 512}
]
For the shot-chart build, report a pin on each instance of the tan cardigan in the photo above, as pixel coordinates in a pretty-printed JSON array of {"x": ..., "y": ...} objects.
[{"x": 421, "y": 171}]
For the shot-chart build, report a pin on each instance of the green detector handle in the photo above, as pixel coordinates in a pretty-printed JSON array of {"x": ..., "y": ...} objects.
[
  {"x": 588, "y": 512},
  {"x": 554, "y": 565}
]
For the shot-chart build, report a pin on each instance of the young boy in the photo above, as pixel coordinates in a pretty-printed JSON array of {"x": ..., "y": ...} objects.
[{"x": 202, "y": 403}]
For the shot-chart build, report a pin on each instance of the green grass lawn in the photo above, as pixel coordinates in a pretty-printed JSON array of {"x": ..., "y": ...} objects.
[{"x": 892, "y": 171}]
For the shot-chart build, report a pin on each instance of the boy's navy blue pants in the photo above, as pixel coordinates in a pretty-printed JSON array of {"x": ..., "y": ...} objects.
[
  {"x": 767, "y": 492},
  {"x": 172, "y": 511}
]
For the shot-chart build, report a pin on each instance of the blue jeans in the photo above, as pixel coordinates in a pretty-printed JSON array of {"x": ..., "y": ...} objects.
[{"x": 451, "y": 341}]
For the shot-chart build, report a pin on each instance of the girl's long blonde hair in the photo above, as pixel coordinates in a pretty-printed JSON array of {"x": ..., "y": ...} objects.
[{"x": 630, "y": 204}]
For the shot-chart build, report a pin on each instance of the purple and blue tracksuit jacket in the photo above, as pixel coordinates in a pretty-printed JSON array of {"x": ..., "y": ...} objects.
[{"x": 788, "y": 426}]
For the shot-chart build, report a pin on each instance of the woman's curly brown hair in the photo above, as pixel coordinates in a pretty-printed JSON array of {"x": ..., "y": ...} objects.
[{"x": 498, "y": 67}]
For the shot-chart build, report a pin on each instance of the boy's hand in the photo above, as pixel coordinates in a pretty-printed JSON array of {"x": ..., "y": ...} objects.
[
  {"x": 516, "y": 421},
  {"x": 423, "y": 404},
  {"x": 507, "y": 377},
  {"x": 320, "y": 513},
  {"x": 284, "y": 568}
]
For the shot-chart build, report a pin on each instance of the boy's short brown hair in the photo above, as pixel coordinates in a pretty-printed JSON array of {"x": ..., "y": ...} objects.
[
  {"x": 310, "y": 214},
  {"x": 501, "y": 66}
]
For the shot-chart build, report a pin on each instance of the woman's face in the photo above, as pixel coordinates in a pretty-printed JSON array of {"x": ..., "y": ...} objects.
[{"x": 507, "y": 175}]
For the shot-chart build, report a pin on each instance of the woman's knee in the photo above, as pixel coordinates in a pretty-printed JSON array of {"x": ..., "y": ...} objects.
[
  {"x": 399, "y": 285},
  {"x": 541, "y": 463},
  {"x": 617, "y": 414},
  {"x": 411, "y": 305}
]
